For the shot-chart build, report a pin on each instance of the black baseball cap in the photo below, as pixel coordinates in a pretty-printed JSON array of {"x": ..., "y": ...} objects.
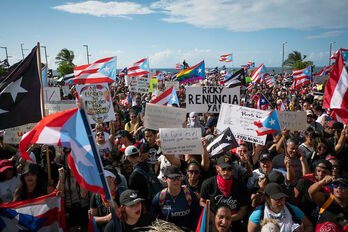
[
  {"x": 342, "y": 181},
  {"x": 172, "y": 171},
  {"x": 225, "y": 161},
  {"x": 276, "y": 177},
  {"x": 129, "y": 197},
  {"x": 122, "y": 133},
  {"x": 274, "y": 191},
  {"x": 265, "y": 156}
]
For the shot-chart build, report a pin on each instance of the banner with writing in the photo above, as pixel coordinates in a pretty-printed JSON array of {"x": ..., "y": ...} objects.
[
  {"x": 54, "y": 107},
  {"x": 14, "y": 135},
  {"x": 51, "y": 94},
  {"x": 140, "y": 84},
  {"x": 241, "y": 121},
  {"x": 293, "y": 121},
  {"x": 157, "y": 116},
  {"x": 169, "y": 84},
  {"x": 208, "y": 99},
  {"x": 98, "y": 100},
  {"x": 181, "y": 141}
]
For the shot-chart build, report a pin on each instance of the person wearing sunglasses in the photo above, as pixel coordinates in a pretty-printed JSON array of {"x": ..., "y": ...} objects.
[
  {"x": 193, "y": 178},
  {"x": 333, "y": 207},
  {"x": 224, "y": 188}
]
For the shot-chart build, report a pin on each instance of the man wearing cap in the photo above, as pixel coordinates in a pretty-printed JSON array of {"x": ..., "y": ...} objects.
[
  {"x": 334, "y": 207},
  {"x": 289, "y": 217},
  {"x": 225, "y": 189},
  {"x": 338, "y": 144},
  {"x": 176, "y": 203},
  {"x": 312, "y": 123}
]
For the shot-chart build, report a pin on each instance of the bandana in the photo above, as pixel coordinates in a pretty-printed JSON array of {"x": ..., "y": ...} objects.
[
  {"x": 113, "y": 195},
  {"x": 311, "y": 178},
  {"x": 224, "y": 185}
]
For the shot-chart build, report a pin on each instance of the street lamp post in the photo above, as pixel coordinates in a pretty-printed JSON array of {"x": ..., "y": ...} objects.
[
  {"x": 283, "y": 56},
  {"x": 331, "y": 43},
  {"x": 6, "y": 53},
  {"x": 22, "y": 49},
  {"x": 88, "y": 55},
  {"x": 44, "y": 47}
]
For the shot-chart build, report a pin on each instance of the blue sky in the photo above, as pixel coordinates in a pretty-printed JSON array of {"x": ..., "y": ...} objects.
[{"x": 169, "y": 31}]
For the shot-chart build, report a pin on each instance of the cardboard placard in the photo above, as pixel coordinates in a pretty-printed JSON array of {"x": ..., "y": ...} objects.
[
  {"x": 181, "y": 141},
  {"x": 140, "y": 84},
  {"x": 241, "y": 121},
  {"x": 14, "y": 135},
  {"x": 52, "y": 94},
  {"x": 293, "y": 121},
  {"x": 54, "y": 107},
  {"x": 153, "y": 84},
  {"x": 157, "y": 116},
  {"x": 98, "y": 100},
  {"x": 169, "y": 84},
  {"x": 208, "y": 99}
]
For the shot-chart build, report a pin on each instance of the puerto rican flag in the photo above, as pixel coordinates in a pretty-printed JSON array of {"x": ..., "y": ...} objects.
[
  {"x": 226, "y": 58},
  {"x": 303, "y": 73},
  {"x": 179, "y": 66},
  {"x": 123, "y": 72},
  {"x": 259, "y": 74},
  {"x": 45, "y": 213},
  {"x": 168, "y": 97},
  {"x": 268, "y": 125},
  {"x": 344, "y": 53},
  {"x": 336, "y": 90},
  {"x": 103, "y": 70},
  {"x": 139, "y": 68},
  {"x": 299, "y": 83},
  {"x": 262, "y": 103},
  {"x": 66, "y": 129},
  {"x": 269, "y": 80},
  {"x": 281, "y": 106},
  {"x": 250, "y": 64}
]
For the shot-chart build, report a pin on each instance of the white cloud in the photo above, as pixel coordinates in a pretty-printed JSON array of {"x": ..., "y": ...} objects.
[
  {"x": 324, "y": 35},
  {"x": 105, "y": 9},
  {"x": 254, "y": 15}
]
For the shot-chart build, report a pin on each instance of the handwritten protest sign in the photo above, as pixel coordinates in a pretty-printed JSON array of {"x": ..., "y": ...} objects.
[
  {"x": 241, "y": 121},
  {"x": 292, "y": 120},
  {"x": 181, "y": 140},
  {"x": 153, "y": 84},
  {"x": 140, "y": 84},
  {"x": 51, "y": 94},
  {"x": 169, "y": 84},
  {"x": 208, "y": 99},
  {"x": 14, "y": 135},
  {"x": 98, "y": 100},
  {"x": 54, "y": 107},
  {"x": 157, "y": 116}
]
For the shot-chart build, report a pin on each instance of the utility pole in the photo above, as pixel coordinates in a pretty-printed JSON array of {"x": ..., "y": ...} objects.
[
  {"x": 88, "y": 55},
  {"x": 331, "y": 43},
  {"x": 22, "y": 49},
  {"x": 283, "y": 56}
]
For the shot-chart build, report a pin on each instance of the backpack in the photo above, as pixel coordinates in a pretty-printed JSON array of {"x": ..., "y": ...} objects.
[
  {"x": 153, "y": 184},
  {"x": 163, "y": 194},
  {"x": 292, "y": 213}
]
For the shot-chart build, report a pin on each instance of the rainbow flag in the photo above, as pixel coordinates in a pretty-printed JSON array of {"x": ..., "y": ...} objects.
[
  {"x": 201, "y": 227},
  {"x": 193, "y": 73}
]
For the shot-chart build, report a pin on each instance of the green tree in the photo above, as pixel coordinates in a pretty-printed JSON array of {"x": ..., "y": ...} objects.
[
  {"x": 64, "y": 59},
  {"x": 2, "y": 71},
  {"x": 295, "y": 61}
]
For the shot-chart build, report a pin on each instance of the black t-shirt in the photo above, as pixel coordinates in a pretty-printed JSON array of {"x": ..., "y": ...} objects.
[
  {"x": 144, "y": 221},
  {"x": 334, "y": 213},
  {"x": 152, "y": 152},
  {"x": 308, "y": 207},
  {"x": 138, "y": 182}
]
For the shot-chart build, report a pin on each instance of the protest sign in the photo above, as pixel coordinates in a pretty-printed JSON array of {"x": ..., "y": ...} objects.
[
  {"x": 181, "y": 140},
  {"x": 293, "y": 121},
  {"x": 153, "y": 84},
  {"x": 157, "y": 116},
  {"x": 14, "y": 135},
  {"x": 54, "y": 107},
  {"x": 51, "y": 94},
  {"x": 98, "y": 100},
  {"x": 241, "y": 121},
  {"x": 169, "y": 84},
  {"x": 320, "y": 79},
  {"x": 208, "y": 99},
  {"x": 140, "y": 84}
]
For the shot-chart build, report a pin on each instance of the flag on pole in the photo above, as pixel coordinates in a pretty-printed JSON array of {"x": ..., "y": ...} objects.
[
  {"x": 344, "y": 53},
  {"x": 103, "y": 70},
  {"x": 179, "y": 66},
  {"x": 234, "y": 79},
  {"x": 302, "y": 73},
  {"x": 196, "y": 72},
  {"x": 202, "y": 222},
  {"x": 268, "y": 125},
  {"x": 226, "y": 58},
  {"x": 281, "y": 106},
  {"x": 259, "y": 74},
  {"x": 250, "y": 64},
  {"x": 45, "y": 213},
  {"x": 139, "y": 68},
  {"x": 92, "y": 225},
  {"x": 20, "y": 93},
  {"x": 123, "y": 72},
  {"x": 224, "y": 142},
  {"x": 167, "y": 97},
  {"x": 67, "y": 129},
  {"x": 44, "y": 77},
  {"x": 336, "y": 90},
  {"x": 262, "y": 102}
]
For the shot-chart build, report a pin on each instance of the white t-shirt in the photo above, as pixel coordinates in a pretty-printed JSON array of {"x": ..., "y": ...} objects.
[
  {"x": 163, "y": 164},
  {"x": 7, "y": 188}
]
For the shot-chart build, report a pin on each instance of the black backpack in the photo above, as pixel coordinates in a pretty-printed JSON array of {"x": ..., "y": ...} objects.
[{"x": 153, "y": 184}]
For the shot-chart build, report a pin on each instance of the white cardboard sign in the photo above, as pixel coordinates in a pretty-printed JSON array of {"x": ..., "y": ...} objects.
[
  {"x": 157, "y": 116},
  {"x": 181, "y": 140},
  {"x": 241, "y": 121},
  {"x": 169, "y": 84},
  {"x": 208, "y": 99},
  {"x": 51, "y": 94},
  {"x": 98, "y": 100},
  {"x": 140, "y": 84},
  {"x": 13, "y": 135},
  {"x": 293, "y": 121},
  {"x": 54, "y": 107}
]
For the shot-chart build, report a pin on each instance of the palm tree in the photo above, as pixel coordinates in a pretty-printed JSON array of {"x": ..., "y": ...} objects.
[
  {"x": 295, "y": 61},
  {"x": 65, "y": 55}
]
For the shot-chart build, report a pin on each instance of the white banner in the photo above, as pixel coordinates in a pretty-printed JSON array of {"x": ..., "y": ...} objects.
[
  {"x": 293, "y": 121},
  {"x": 241, "y": 121},
  {"x": 169, "y": 84},
  {"x": 181, "y": 141},
  {"x": 209, "y": 99},
  {"x": 98, "y": 100},
  {"x": 157, "y": 116},
  {"x": 140, "y": 84},
  {"x": 51, "y": 94},
  {"x": 14, "y": 135},
  {"x": 54, "y": 107}
]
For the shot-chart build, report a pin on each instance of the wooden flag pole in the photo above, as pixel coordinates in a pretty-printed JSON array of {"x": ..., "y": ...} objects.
[
  {"x": 43, "y": 110},
  {"x": 207, "y": 208}
]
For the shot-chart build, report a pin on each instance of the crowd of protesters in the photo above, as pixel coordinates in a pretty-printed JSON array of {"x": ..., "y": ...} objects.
[{"x": 297, "y": 181}]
